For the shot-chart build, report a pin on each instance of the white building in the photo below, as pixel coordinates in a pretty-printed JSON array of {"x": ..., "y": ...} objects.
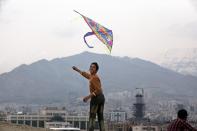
[
  {"x": 118, "y": 116},
  {"x": 145, "y": 128},
  {"x": 56, "y": 124},
  {"x": 40, "y": 120}
]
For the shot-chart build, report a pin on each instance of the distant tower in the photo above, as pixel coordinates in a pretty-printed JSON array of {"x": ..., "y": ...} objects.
[{"x": 139, "y": 106}]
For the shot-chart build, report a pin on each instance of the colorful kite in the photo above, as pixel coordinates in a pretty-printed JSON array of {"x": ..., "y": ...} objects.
[{"x": 103, "y": 34}]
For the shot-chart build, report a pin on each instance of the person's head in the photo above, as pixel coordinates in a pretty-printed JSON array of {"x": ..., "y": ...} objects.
[
  {"x": 182, "y": 114},
  {"x": 94, "y": 67}
]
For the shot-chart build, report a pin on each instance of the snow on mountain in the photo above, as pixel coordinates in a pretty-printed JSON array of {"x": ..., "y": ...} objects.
[{"x": 181, "y": 60}]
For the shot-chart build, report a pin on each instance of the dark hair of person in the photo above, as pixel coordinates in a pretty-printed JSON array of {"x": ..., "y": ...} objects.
[
  {"x": 96, "y": 64},
  {"x": 182, "y": 114}
]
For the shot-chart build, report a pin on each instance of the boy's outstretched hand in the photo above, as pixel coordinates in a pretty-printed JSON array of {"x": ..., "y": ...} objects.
[{"x": 74, "y": 68}]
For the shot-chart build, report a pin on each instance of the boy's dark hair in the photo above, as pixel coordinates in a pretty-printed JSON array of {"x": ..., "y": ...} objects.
[
  {"x": 96, "y": 64},
  {"x": 182, "y": 114}
]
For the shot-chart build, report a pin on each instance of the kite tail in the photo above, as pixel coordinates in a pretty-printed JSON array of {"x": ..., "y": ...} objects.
[{"x": 88, "y": 34}]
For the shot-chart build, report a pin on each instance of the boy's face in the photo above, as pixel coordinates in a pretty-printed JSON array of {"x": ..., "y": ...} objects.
[{"x": 92, "y": 69}]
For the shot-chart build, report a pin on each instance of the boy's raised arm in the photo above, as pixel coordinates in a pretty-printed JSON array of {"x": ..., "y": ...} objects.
[{"x": 83, "y": 73}]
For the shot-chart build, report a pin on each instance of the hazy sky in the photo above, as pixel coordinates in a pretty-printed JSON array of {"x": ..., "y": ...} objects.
[{"x": 31, "y": 30}]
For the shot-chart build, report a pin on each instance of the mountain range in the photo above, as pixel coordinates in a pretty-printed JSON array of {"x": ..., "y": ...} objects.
[
  {"x": 180, "y": 60},
  {"x": 54, "y": 81}
]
